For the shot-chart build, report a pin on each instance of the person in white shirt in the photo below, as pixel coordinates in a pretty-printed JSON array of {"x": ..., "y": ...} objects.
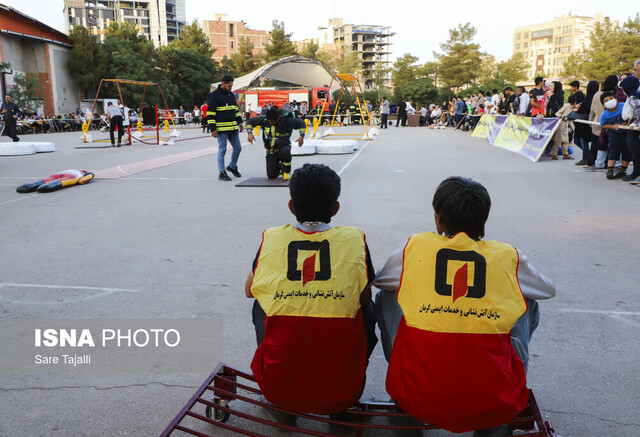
[
  {"x": 521, "y": 104},
  {"x": 115, "y": 119},
  {"x": 410, "y": 109}
]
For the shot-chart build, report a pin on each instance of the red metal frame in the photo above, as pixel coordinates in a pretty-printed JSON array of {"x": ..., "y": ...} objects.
[
  {"x": 144, "y": 91},
  {"x": 222, "y": 387}
]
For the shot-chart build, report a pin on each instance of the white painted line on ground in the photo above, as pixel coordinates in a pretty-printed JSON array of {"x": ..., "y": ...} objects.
[
  {"x": 103, "y": 291},
  {"x": 18, "y": 199},
  {"x": 352, "y": 159}
]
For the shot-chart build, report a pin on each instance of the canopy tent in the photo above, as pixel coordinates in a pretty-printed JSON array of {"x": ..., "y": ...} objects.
[{"x": 293, "y": 69}]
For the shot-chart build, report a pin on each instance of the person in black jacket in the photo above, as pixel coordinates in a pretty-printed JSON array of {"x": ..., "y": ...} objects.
[
  {"x": 402, "y": 113},
  {"x": 10, "y": 112},
  {"x": 225, "y": 123},
  {"x": 277, "y": 127}
]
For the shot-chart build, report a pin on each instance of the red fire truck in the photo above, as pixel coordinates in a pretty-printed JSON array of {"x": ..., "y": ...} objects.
[{"x": 261, "y": 96}]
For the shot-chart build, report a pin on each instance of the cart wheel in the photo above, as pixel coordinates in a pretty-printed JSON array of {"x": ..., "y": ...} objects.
[{"x": 215, "y": 414}]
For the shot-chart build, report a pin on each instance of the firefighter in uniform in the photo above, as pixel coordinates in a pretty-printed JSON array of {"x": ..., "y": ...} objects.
[
  {"x": 456, "y": 332},
  {"x": 10, "y": 112},
  {"x": 277, "y": 127},
  {"x": 225, "y": 123}
]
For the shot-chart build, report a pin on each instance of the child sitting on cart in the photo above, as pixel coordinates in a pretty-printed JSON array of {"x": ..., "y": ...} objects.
[
  {"x": 456, "y": 314},
  {"x": 313, "y": 315}
]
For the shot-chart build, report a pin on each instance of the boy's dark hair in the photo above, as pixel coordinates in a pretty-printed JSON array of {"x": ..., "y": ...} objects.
[
  {"x": 538, "y": 80},
  {"x": 314, "y": 191},
  {"x": 606, "y": 94},
  {"x": 273, "y": 113},
  {"x": 575, "y": 83},
  {"x": 572, "y": 99},
  {"x": 227, "y": 78},
  {"x": 463, "y": 205},
  {"x": 494, "y": 91},
  {"x": 523, "y": 89},
  {"x": 508, "y": 88},
  {"x": 610, "y": 83}
]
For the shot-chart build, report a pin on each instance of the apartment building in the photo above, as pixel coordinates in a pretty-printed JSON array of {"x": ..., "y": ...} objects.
[
  {"x": 372, "y": 43},
  {"x": 158, "y": 20},
  {"x": 546, "y": 46},
  {"x": 225, "y": 36}
]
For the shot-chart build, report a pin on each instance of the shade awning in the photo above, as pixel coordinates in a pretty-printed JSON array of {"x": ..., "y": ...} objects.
[{"x": 294, "y": 69}]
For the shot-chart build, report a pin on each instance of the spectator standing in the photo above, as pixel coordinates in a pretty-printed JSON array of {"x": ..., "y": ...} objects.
[
  {"x": 384, "y": 113},
  {"x": 181, "y": 114},
  {"x": 630, "y": 86},
  {"x": 10, "y": 112},
  {"x": 225, "y": 124},
  {"x": 611, "y": 119},
  {"x": 583, "y": 136},
  {"x": 115, "y": 121},
  {"x": 636, "y": 69},
  {"x": 460, "y": 109},
  {"x": 597, "y": 108},
  {"x": 203, "y": 121},
  {"x": 538, "y": 98},
  {"x": 557, "y": 108},
  {"x": 402, "y": 113},
  {"x": 521, "y": 103}
]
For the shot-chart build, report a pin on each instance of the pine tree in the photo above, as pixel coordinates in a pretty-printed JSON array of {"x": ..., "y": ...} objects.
[{"x": 461, "y": 58}]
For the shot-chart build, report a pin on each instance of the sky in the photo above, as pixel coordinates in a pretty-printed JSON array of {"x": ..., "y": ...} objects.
[{"x": 419, "y": 30}]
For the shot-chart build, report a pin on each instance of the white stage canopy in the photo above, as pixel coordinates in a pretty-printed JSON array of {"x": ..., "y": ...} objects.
[{"x": 293, "y": 69}]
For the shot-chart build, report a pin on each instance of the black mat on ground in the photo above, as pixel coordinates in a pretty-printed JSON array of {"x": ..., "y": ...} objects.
[{"x": 263, "y": 182}]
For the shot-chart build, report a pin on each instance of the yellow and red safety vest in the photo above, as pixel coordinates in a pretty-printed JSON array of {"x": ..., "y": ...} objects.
[
  {"x": 452, "y": 363},
  {"x": 313, "y": 356}
]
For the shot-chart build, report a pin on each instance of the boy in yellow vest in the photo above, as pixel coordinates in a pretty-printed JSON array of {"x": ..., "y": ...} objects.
[
  {"x": 456, "y": 315},
  {"x": 313, "y": 314}
]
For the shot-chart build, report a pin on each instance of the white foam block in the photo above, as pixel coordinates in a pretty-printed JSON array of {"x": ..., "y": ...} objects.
[{"x": 26, "y": 148}]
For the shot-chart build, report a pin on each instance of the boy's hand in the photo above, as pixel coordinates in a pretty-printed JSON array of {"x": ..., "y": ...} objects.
[
  {"x": 250, "y": 137},
  {"x": 300, "y": 140}
]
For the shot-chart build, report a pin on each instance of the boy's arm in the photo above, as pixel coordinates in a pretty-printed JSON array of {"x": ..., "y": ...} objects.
[
  {"x": 534, "y": 285},
  {"x": 365, "y": 295},
  {"x": 388, "y": 277},
  {"x": 247, "y": 285}
]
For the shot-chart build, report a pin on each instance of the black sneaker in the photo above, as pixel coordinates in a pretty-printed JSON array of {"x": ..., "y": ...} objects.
[
  {"x": 620, "y": 175},
  {"x": 119, "y": 145},
  {"x": 609, "y": 174},
  {"x": 234, "y": 171},
  {"x": 224, "y": 176},
  {"x": 628, "y": 178},
  {"x": 582, "y": 162}
]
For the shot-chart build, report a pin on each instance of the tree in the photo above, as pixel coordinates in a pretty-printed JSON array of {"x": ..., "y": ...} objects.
[
  {"x": 348, "y": 62},
  {"x": 244, "y": 60},
  {"x": 192, "y": 37},
  {"x": 310, "y": 50},
  {"x": 88, "y": 60},
  {"x": 190, "y": 71},
  {"x": 280, "y": 44},
  {"x": 420, "y": 91},
  {"x": 227, "y": 66},
  {"x": 404, "y": 70},
  {"x": 514, "y": 69},
  {"x": 612, "y": 51},
  {"x": 461, "y": 58},
  {"x": 27, "y": 91},
  {"x": 487, "y": 69}
]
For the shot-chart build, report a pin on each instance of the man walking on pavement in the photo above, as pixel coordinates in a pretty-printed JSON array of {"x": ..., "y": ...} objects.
[
  {"x": 115, "y": 121},
  {"x": 10, "y": 112},
  {"x": 225, "y": 123},
  {"x": 384, "y": 113}
]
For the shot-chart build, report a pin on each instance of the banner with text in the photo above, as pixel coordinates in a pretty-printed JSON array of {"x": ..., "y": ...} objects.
[{"x": 523, "y": 135}]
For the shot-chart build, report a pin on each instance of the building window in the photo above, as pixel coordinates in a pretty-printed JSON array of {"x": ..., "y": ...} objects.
[
  {"x": 231, "y": 44},
  {"x": 230, "y": 30},
  {"x": 517, "y": 46},
  {"x": 526, "y": 35},
  {"x": 518, "y": 37},
  {"x": 526, "y": 45}
]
